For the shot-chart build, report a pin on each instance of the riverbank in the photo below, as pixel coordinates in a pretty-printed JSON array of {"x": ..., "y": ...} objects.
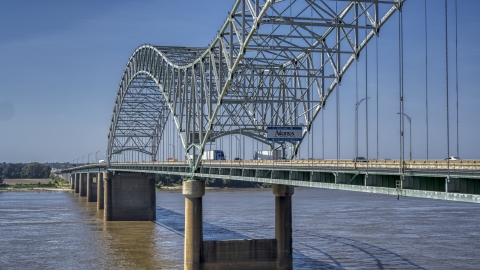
[{"x": 33, "y": 184}]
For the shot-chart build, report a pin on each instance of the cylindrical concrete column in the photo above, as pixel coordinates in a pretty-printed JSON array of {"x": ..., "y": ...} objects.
[
  {"x": 107, "y": 181},
  {"x": 90, "y": 193},
  {"x": 83, "y": 185},
  {"x": 193, "y": 190},
  {"x": 72, "y": 181},
  {"x": 100, "y": 202},
  {"x": 77, "y": 183},
  {"x": 283, "y": 225}
]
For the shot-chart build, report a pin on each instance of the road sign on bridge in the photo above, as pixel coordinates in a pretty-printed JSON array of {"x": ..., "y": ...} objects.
[{"x": 284, "y": 134}]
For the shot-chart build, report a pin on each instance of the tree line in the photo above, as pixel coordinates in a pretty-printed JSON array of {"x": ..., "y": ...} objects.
[{"x": 20, "y": 170}]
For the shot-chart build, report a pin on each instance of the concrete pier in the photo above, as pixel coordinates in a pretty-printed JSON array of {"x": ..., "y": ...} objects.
[
  {"x": 129, "y": 197},
  {"x": 72, "y": 181},
  {"x": 77, "y": 183},
  {"x": 83, "y": 185},
  {"x": 91, "y": 188},
  {"x": 193, "y": 190},
  {"x": 283, "y": 225},
  {"x": 100, "y": 202}
]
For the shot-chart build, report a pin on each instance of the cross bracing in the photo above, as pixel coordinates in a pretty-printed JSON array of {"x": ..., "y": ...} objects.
[{"x": 272, "y": 63}]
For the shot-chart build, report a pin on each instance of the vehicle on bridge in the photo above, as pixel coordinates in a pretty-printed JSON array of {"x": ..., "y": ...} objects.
[
  {"x": 211, "y": 155},
  {"x": 267, "y": 155},
  {"x": 360, "y": 159}
]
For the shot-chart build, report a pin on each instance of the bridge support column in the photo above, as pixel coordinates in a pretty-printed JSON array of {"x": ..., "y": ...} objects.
[
  {"x": 83, "y": 185},
  {"x": 91, "y": 188},
  {"x": 100, "y": 202},
  {"x": 77, "y": 183},
  {"x": 72, "y": 181},
  {"x": 130, "y": 197},
  {"x": 283, "y": 225},
  {"x": 193, "y": 190}
]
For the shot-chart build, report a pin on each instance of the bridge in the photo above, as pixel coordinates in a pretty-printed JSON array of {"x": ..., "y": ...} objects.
[{"x": 272, "y": 65}]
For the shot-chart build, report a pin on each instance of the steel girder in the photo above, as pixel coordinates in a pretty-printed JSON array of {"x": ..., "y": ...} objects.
[{"x": 272, "y": 63}]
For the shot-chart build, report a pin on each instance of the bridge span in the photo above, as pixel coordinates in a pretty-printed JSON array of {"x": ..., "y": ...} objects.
[{"x": 273, "y": 65}]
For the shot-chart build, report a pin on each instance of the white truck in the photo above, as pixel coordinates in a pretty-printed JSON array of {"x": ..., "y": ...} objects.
[
  {"x": 211, "y": 155},
  {"x": 267, "y": 155}
]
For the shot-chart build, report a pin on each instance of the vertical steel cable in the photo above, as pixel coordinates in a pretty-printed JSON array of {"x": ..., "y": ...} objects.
[
  {"x": 400, "y": 53},
  {"x": 376, "y": 49},
  {"x": 426, "y": 72},
  {"x": 338, "y": 88},
  {"x": 366, "y": 91},
  {"x": 456, "y": 70},
  {"x": 356, "y": 104},
  {"x": 446, "y": 71}
]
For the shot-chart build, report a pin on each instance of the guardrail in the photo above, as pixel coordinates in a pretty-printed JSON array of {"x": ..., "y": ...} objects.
[{"x": 409, "y": 165}]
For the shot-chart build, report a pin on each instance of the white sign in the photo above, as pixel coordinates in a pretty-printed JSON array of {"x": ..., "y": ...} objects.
[{"x": 285, "y": 134}]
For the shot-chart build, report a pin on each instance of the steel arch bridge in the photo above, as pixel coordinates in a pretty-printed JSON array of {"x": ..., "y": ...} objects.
[{"x": 272, "y": 63}]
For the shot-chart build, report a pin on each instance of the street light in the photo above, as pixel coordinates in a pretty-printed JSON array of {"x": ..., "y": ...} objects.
[
  {"x": 410, "y": 122},
  {"x": 77, "y": 161},
  {"x": 96, "y": 159},
  {"x": 82, "y": 159},
  {"x": 173, "y": 150},
  {"x": 88, "y": 158},
  {"x": 238, "y": 145},
  {"x": 356, "y": 126}
]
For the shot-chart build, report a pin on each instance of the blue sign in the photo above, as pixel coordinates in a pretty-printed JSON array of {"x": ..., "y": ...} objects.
[{"x": 284, "y": 134}]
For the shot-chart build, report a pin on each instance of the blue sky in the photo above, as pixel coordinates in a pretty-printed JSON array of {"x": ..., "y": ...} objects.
[{"x": 61, "y": 62}]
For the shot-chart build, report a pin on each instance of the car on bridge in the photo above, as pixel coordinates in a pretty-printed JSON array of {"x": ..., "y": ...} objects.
[
  {"x": 453, "y": 158},
  {"x": 360, "y": 159}
]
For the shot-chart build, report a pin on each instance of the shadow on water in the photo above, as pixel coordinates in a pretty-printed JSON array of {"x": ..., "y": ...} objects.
[
  {"x": 175, "y": 223},
  {"x": 311, "y": 250}
]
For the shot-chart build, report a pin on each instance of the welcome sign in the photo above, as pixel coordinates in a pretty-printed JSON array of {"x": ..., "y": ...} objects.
[{"x": 285, "y": 134}]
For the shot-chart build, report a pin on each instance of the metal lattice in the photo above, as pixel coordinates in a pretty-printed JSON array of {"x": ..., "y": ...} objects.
[{"x": 273, "y": 63}]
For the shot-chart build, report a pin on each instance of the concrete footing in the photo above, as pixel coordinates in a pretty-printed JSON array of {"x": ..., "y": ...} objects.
[
  {"x": 240, "y": 254},
  {"x": 129, "y": 197},
  {"x": 237, "y": 254}
]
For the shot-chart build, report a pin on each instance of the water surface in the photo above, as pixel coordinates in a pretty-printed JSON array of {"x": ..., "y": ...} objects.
[{"x": 331, "y": 230}]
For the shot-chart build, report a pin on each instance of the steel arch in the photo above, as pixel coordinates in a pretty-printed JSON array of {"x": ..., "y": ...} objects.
[{"x": 273, "y": 63}]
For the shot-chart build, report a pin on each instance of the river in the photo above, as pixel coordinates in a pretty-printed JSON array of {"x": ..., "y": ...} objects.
[{"x": 331, "y": 230}]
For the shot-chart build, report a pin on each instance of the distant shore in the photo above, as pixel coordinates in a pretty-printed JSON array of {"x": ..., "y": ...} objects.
[{"x": 31, "y": 184}]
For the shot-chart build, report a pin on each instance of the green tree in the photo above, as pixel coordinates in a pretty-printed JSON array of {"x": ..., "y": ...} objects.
[
  {"x": 12, "y": 171},
  {"x": 36, "y": 170}
]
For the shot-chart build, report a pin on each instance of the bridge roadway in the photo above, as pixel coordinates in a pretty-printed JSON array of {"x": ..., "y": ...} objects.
[{"x": 422, "y": 178}]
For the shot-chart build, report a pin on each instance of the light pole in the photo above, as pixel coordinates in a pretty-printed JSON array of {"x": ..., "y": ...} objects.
[
  {"x": 77, "y": 161},
  {"x": 88, "y": 158},
  {"x": 410, "y": 123},
  {"x": 96, "y": 159},
  {"x": 238, "y": 145},
  {"x": 173, "y": 150},
  {"x": 82, "y": 159},
  {"x": 356, "y": 126}
]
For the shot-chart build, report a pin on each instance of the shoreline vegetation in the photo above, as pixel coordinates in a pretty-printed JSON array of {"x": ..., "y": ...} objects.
[{"x": 52, "y": 183}]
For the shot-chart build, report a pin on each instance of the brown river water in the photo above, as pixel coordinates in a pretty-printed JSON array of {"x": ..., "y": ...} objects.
[{"x": 331, "y": 230}]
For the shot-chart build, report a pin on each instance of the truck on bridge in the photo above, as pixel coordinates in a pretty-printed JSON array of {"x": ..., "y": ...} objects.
[
  {"x": 211, "y": 155},
  {"x": 268, "y": 155}
]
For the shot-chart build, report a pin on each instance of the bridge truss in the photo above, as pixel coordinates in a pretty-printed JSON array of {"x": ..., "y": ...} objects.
[{"x": 272, "y": 63}]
